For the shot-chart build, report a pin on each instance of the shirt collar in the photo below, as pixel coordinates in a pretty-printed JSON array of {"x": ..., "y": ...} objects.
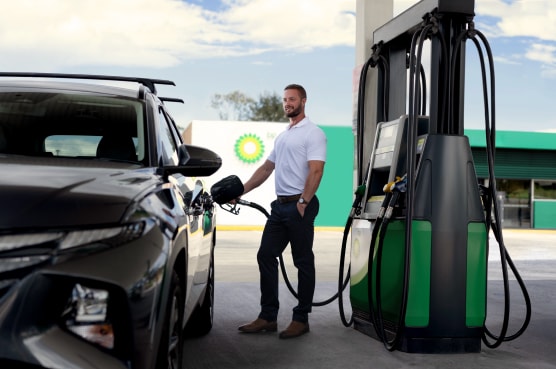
[{"x": 302, "y": 122}]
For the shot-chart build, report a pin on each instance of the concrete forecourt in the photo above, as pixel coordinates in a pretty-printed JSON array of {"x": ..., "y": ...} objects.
[{"x": 331, "y": 345}]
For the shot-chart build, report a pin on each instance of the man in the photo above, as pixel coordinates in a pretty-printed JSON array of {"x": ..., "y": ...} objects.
[{"x": 298, "y": 157}]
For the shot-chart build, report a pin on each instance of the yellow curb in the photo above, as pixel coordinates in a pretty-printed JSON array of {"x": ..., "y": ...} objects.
[{"x": 260, "y": 228}]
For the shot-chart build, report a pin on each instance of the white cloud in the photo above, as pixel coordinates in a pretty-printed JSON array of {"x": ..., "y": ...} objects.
[
  {"x": 291, "y": 24},
  {"x": 99, "y": 32},
  {"x": 542, "y": 53},
  {"x": 511, "y": 60},
  {"x": 56, "y": 34},
  {"x": 513, "y": 18},
  {"x": 43, "y": 34},
  {"x": 545, "y": 54},
  {"x": 522, "y": 18},
  {"x": 532, "y": 21}
]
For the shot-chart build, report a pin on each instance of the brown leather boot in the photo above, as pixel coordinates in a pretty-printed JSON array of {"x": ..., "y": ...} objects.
[
  {"x": 295, "y": 329},
  {"x": 258, "y": 325}
]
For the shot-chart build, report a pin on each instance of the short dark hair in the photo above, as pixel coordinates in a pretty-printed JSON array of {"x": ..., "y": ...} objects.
[{"x": 299, "y": 88}]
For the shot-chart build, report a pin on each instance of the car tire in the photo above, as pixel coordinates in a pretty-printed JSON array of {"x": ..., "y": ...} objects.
[
  {"x": 170, "y": 352},
  {"x": 201, "y": 320}
]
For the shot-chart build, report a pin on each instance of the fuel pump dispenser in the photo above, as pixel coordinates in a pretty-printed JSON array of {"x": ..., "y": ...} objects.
[{"x": 420, "y": 237}]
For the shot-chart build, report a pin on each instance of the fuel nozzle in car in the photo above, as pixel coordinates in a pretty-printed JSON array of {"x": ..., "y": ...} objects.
[
  {"x": 226, "y": 193},
  {"x": 227, "y": 189}
]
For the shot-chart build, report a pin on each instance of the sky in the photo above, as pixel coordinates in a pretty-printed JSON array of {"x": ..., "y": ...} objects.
[{"x": 210, "y": 47}]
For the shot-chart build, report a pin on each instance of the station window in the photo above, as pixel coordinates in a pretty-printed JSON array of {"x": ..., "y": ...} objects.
[
  {"x": 545, "y": 190},
  {"x": 514, "y": 198}
]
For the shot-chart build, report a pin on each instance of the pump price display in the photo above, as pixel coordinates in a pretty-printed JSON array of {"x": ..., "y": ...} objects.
[
  {"x": 386, "y": 145},
  {"x": 421, "y": 144},
  {"x": 388, "y": 131}
]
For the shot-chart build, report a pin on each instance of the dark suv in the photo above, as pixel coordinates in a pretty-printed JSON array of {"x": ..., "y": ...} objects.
[{"x": 107, "y": 230}]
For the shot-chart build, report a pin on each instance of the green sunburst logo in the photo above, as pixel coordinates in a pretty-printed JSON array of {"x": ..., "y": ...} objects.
[{"x": 249, "y": 148}]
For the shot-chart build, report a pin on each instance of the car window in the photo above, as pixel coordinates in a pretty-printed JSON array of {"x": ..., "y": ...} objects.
[
  {"x": 76, "y": 125},
  {"x": 76, "y": 146},
  {"x": 71, "y": 145},
  {"x": 169, "y": 148}
]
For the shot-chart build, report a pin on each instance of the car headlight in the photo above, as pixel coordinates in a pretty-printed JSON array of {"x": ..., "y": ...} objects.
[
  {"x": 41, "y": 245},
  {"x": 112, "y": 236},
  {"x": 86, "y": 315},
  {"x": 72, "y": 238},
  {"x": 14, "y": 242}
]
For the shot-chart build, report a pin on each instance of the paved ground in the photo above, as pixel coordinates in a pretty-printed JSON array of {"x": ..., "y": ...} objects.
[{"x": 331, "y": 345}]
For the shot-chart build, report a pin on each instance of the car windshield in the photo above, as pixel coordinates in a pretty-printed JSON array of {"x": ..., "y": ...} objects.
[{"x": 74, "y": 125}]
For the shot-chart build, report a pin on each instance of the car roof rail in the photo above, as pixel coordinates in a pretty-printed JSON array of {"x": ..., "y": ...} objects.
[
  {"x": 171, "y": 99},
  {"x": 147, "y": 82}
]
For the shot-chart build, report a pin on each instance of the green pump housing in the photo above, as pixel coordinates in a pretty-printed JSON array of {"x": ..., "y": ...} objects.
[{"x": 446, "y": 293}]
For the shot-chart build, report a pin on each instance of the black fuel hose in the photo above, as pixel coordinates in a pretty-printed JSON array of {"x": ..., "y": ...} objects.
[
  {"x": 376, "y": 60},
  {"x": 417, "y": 99},
  {"x": 415, "y": 90},
  {"x": 491, "y": 196},
  {"x": 374, "y": 237},
  {"x": 378, "y": 321}
]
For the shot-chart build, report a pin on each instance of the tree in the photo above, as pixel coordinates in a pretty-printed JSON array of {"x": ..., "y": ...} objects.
[
  {"x": 232, "y": 106},
  {"x": 238, "y": 106},
  {"x": 268, "y": 108}
]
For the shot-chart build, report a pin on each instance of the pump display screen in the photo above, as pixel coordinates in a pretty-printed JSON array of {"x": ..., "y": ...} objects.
[{"x": 386, "y": 144}]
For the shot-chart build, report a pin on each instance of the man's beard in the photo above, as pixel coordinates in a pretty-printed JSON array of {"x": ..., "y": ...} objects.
[{"x": 294, "y": 113}]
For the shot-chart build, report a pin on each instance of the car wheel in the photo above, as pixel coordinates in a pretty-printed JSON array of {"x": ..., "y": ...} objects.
[
  {"x": 170, "y": 352},
  {"x": 201, "y": 320}
]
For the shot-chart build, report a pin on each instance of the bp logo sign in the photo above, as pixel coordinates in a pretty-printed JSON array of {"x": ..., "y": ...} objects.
[{"x": 249, "y": 148}]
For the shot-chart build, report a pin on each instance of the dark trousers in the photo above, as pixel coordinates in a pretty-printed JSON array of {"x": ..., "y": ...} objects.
[{"x": 285, "y": 225}]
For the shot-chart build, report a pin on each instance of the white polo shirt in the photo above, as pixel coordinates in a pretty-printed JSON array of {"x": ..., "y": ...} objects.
[{"x": 293, "y": 148}]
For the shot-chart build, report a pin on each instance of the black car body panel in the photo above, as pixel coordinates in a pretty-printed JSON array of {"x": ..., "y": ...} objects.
[
  {"x": 105, "y": 253},
  {"x": 61, "y": 193}
]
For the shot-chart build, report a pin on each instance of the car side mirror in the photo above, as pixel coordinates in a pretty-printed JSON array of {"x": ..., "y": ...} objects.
[{"x": 195, "y": 161}]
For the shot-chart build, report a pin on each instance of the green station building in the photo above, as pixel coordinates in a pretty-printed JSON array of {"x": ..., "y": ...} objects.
[{"x": 525, "y": 172}]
